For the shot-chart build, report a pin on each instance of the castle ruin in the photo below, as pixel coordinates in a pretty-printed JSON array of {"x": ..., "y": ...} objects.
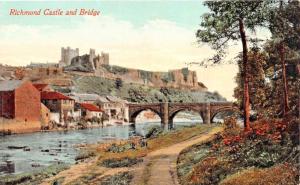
[
  {"x": 71, "y": 60},
  {"x": 98, "y": 65},
  {"x": 67, "y": 54}
]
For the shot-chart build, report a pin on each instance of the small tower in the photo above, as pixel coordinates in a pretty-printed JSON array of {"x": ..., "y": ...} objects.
[
  {"x": 105, "y": 57},
  {"x": 92, "y": 56}
]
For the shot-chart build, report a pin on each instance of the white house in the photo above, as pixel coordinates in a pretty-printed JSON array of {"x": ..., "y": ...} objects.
[
  {"x": 89, "y": 111},
  {"x": 115, "y": 107}
]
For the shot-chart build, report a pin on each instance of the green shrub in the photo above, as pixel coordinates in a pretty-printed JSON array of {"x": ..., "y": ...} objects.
[
  {"x": 209, "y": 171},
  {"x": 261, "y": 152},
  {"x": 123, "y": 162},
  {"x": 231, "y": 127},
  {"x": 154, "y": 132},
  {"x": 190, "y": 157},
  {"x": 83, "y": 154},
  {"x": 34, "y": 177},
  {"x": 115, "y": 69},
  {"x": 86, "y": 179},
  {"x": 277, "y": 175},
  {"x": 118, "y": 179},
  {"x": 119, "y": 148}
]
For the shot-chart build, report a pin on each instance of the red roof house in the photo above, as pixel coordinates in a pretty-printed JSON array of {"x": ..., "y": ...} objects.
[
  {"x": 52, "y": 95},
  {"x": 58, "y": 103},
  {"x": 90, "y": 107},
  {"x": 90, "y": 110}
]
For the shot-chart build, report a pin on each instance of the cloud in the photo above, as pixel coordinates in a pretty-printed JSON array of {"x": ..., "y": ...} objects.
[{"x": 158, "y": 45}]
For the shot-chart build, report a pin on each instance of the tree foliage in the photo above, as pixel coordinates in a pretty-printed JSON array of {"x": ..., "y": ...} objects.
[
  {"x": 119, "y": 83},
  {"x": 266, "y": 69},
  {"x": 221, "y": 24},
  {"x": 259, "y": 86},
  {"x": 229, "y": 21}
]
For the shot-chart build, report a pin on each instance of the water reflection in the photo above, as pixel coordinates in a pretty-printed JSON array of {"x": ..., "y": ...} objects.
[{"x": 29, "y": 152}]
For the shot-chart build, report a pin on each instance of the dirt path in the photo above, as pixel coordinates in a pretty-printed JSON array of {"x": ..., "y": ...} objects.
[
  {"x": 81, "y": 169},
  {"x": 159, "y": 167}
]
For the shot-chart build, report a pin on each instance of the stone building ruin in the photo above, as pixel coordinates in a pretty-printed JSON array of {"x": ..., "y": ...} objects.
[
  {"x": 67, "y": 54},
  {"x": 72, "y": 61},
  {"x": 98, "y": 65}
]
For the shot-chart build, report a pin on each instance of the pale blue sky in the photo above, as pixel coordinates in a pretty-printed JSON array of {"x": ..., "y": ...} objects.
[
  {"x": 149, "y": 35},
  {"x": 184, "y": 13}
]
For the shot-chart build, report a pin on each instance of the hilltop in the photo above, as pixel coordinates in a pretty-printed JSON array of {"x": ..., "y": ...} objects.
[
  {"x": 92, "y": 73},
  {"x": 137, "y": 92},
  {"x": 82, "y": 82}
]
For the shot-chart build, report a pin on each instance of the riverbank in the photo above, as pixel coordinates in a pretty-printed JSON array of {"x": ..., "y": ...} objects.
[
  {"x": 24, "y": 153},
  {"x": 117, "y": 163},
  {"x": 267, "y": 154},
  {"x": 12, "y": 127}
]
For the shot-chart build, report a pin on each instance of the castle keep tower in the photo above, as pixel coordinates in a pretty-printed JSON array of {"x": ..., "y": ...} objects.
[
  {"x": 72, "y": 61},
  {"x": 67, "y": 54}
]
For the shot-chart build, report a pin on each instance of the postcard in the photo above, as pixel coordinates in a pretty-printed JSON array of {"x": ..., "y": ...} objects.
[{"x": 157, "y": 92}]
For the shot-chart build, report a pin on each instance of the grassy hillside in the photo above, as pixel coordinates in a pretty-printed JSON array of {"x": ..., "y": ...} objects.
[{"x": 136, "y": 92}]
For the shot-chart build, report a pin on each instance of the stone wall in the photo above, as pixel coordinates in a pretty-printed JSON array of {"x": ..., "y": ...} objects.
[
  {"x": 15, "y": 127},
  {"x": 45, "y": 116},
  {"x": 179, "y": 78}
]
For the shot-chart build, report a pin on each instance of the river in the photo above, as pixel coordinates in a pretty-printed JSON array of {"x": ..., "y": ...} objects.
[{"x": 47, "y": 148}]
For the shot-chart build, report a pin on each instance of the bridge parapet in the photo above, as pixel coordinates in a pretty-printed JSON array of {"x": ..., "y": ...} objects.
[{"x": 167, "y": 111}]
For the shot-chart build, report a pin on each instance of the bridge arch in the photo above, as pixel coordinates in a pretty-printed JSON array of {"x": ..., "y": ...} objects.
[
  {"x": 133, "y": 115},
  {"x": 173, "y": 114},
  {"x": 224, "y": 109}
]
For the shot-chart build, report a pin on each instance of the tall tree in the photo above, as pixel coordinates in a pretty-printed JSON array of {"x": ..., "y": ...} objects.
[
  {"x": 259, "y": 88},
  {"x": 284, "y": 26},
  {"x": 119, "y": 83},
  {"x": 273, "y": 72},
  {"x": 228, "y": 21}
]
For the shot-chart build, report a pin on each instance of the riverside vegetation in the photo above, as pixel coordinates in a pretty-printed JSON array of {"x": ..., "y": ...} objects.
[
  {"x": 33, "y": 177},
  {"x": 267, "y": 154},
  {"x": 112, "y": 163}
]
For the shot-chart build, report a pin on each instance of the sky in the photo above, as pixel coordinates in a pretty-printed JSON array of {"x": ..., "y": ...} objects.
[{"x": 149, "y": 35}]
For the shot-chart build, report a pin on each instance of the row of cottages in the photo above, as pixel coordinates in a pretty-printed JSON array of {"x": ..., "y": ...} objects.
[
  {"x": 116, "y": 108},
  {"x": 64, "y": 109},
  {"x": 27, "y": 107}
]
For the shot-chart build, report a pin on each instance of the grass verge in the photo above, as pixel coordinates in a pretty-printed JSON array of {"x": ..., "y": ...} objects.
[
  {"x": 34, "y": 177},
  {"x": 161, "y": 141}
]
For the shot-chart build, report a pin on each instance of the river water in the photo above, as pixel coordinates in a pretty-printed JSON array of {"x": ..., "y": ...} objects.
[{"x": 47, "y": 148}]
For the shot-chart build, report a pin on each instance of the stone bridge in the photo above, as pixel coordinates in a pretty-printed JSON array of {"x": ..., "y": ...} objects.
[{"x": 167, "y": 111}]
